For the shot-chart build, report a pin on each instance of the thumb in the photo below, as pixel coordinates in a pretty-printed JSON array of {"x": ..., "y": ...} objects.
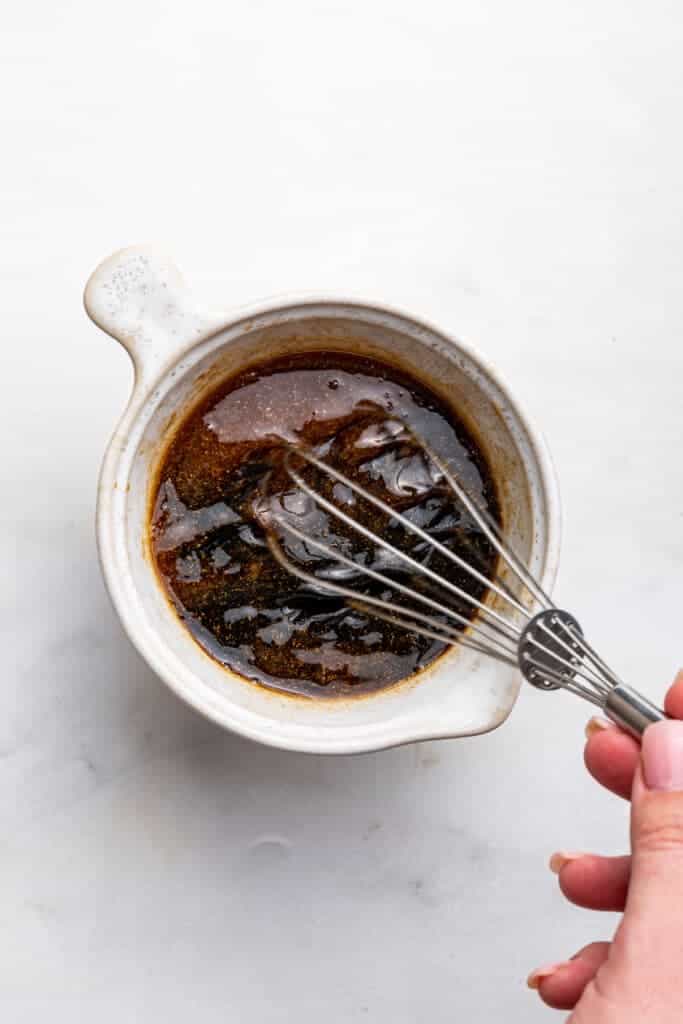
[{"x": 656, "y": 889}]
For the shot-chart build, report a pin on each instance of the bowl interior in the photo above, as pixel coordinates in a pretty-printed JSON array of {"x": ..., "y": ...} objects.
[{"x": 462, "y": 692}]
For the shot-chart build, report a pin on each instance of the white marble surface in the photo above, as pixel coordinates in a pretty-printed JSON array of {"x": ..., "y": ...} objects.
[{"x": 512, "y": 171}]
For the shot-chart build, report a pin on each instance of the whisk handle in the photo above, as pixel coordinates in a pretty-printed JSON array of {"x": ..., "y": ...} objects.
[{"x": 630, "y": 710}]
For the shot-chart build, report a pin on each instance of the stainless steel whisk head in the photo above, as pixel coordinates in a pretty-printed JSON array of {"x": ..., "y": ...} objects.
[{"x": 545, "y": 642}]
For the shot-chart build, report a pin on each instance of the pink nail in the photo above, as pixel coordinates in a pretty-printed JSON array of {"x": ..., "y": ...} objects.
[
  {"x": 663, "y": 756},
  {"x": 541, "y": 973},
  {"x": 562, "y": 857},
  {"x": 596, "y": 725}
]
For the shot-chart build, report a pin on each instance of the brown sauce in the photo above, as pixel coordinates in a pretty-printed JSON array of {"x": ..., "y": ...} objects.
[{"x": 240, "y": 605}]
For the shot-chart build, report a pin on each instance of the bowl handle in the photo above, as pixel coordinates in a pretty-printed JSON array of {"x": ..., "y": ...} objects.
[{"x": 139, "y": 297}]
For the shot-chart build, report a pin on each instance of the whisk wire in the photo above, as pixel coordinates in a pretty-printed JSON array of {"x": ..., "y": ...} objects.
[
  {"x": 592, "y": 654},
  {"x": 489, "y": 527},
  {"x": 497, "y": 621},
  {"x": 434, "y": 634},
  {"x": 405, "y": 523},
  {"x": 594, "y": 677},
  {"x": 379, "y": 577},
  {"x": 562, "y": 681}
]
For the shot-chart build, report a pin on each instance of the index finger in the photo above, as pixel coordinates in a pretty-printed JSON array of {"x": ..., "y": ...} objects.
[{"x": 611, "y": 756}]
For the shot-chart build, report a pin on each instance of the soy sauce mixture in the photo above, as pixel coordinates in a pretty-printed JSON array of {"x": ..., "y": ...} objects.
[{"x": 226, "y": 462}]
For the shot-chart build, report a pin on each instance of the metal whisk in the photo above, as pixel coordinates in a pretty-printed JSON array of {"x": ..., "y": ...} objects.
[{"x": 546, "y": 643}]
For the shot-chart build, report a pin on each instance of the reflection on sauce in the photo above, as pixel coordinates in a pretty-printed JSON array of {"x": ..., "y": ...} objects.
[{"x": 246, "y": 611}]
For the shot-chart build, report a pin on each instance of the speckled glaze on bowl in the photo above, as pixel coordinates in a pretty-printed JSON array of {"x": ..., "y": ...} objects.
[{"x": 179, "y": 352}]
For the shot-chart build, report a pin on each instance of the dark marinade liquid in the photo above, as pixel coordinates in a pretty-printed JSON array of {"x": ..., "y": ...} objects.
[{"x": 226, "y": 459}]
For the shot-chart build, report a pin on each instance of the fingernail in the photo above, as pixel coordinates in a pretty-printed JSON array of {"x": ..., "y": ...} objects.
[
  {"x": 663, "y": 756},
  {"x": 596, "y": 725},
  {"x": 541, "y": 973},
  {"x": 562, "y": 857}
]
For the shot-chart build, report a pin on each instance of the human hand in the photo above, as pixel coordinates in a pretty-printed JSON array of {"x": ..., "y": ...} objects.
[{"x": 637, "y": 976}]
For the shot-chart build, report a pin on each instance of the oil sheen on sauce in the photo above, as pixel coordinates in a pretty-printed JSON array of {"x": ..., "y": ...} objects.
[{"x": 226, "y": 459}]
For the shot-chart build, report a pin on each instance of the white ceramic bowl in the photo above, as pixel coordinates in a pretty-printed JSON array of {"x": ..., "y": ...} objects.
[{"x": 180, "y": 351}]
